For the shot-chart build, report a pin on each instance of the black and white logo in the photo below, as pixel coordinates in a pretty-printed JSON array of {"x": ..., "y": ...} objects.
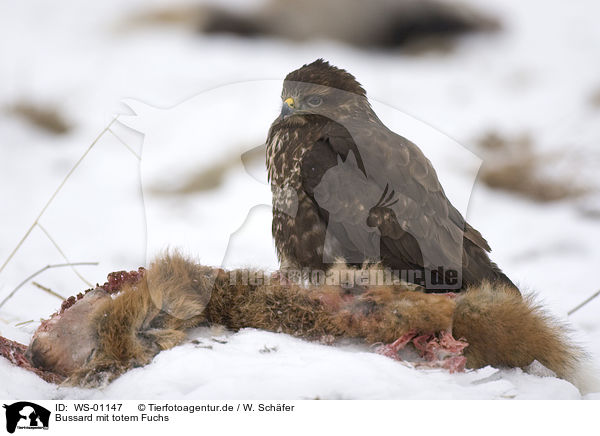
[{"x": 26, "y": 415}]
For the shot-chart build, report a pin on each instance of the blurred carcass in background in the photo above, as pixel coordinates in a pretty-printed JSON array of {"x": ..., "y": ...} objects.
[{"x": 410, "y": 24}]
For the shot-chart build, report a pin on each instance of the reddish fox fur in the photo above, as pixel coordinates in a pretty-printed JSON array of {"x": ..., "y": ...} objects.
[{"x": 175, "y": 294}]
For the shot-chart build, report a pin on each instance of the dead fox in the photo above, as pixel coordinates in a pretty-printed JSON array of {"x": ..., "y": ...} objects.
[{"x": 109, "y": 331}]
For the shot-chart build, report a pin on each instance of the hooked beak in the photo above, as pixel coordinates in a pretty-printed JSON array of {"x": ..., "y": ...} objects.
[{"x": 288, "y": 107}]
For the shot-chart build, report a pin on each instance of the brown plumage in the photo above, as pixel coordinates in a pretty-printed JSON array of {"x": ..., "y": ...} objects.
[
  {"x": 346, "y": 187},
  {"x": 128, "y": 330}
]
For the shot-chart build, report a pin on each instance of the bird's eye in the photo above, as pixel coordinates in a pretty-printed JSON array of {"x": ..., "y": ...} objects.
[{"x": 314, "y": 101}]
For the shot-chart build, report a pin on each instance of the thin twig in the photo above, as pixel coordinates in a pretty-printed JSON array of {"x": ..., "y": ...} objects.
[
  {"x": 63, "y": 254},
  {"x": 125, "y": 144},
  {"x": 23, "y": 323},
  {"x": 579, "y": 306},
  {"x": 71, "y": 171},
  {"x": 47, "y": 267},
  {"x": 48, "y": 290}
]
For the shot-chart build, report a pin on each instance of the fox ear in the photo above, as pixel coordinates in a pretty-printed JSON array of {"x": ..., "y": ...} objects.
[{"x": 339, "y": 160}]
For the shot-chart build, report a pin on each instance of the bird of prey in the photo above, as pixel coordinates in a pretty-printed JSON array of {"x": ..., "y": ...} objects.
[{"x": 347, "y": 188}]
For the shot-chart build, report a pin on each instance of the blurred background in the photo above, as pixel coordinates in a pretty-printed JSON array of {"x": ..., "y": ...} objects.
[{"x": 516, "y": 83}]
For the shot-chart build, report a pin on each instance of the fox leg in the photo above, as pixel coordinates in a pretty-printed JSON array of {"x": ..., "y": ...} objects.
[{"x": 426, "y": 320}]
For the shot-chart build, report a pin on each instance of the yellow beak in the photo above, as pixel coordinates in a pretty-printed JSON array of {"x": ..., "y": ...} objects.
[{"x": 289, "y": 101}]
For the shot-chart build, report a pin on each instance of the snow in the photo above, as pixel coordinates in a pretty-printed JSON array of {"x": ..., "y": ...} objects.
[
  {"x": 238, "y": 370},
  {"x": 536, "y": 76}
]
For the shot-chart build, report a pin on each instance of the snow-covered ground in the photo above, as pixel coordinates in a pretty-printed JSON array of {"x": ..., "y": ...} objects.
[{"x": 537, "y": 76}]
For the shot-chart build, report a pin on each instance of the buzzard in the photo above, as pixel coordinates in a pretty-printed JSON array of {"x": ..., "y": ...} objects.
[{"x": 346, "y": 188}]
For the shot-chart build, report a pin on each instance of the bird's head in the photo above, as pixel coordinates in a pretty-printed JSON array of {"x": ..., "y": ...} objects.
[{"x": 321, "y": 89}]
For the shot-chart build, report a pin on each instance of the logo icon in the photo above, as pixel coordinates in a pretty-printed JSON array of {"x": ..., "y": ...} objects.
[{"x": 26, "y": 415}]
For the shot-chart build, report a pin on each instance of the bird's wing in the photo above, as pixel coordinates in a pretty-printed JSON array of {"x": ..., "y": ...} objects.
[
  {"x": 424, "y": 229},
  {"x": 334, "y": 198}
]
